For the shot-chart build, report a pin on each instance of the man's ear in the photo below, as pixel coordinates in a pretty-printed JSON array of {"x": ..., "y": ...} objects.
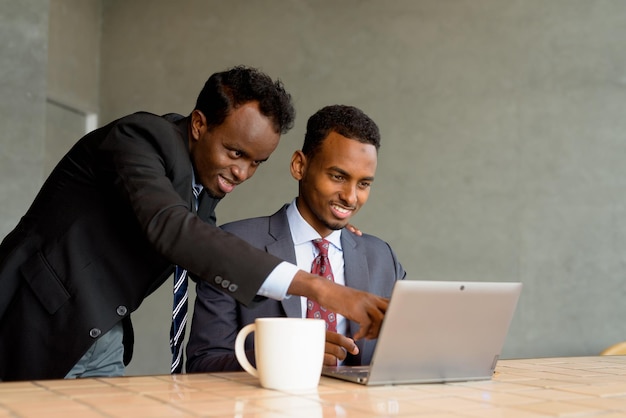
[
  {"x": 198, "y": 124},
  {"x": 298, "y": 165}
]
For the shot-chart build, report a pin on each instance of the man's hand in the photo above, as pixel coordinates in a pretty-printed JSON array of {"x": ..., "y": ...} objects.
[
  {"x": 364, "y": 308},
  {"x": 337, "y": 348}
]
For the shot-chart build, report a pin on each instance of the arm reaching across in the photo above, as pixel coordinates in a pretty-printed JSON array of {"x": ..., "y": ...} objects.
[{"x": 366, "y": 309}]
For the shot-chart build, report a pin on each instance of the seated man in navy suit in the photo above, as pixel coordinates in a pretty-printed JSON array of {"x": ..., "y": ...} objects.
[{"x": 335, "y": 170}]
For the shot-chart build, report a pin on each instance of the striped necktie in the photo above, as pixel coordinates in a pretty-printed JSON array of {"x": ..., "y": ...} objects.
[{"x": 179, "y": 311}]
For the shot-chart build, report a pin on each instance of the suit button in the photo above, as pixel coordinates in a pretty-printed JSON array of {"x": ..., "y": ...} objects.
[
  {"x": 225, "y": 283},
  {"x": 122, "y": 310},
  {"x": 233, "y": 287},
  {"x": 218, "y": 279},
  {"x": 95, "y": 333}
]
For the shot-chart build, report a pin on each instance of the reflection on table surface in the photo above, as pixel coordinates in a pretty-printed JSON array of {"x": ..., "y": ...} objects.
[{"x": 575, "y": 386}]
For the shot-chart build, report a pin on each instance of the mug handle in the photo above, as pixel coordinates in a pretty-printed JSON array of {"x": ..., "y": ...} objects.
[{"x": 240, "y": 351}]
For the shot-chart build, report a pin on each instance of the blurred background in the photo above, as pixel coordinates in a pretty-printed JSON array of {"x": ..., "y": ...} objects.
[{"x": 502, "y": 126}]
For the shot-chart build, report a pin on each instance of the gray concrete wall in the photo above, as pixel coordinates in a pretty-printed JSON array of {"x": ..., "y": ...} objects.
[
  {"x": 502, "y": 123},
  {"x": 74, "y": 53},
  {"x": 502, "y": 136},
  {"x": 73, "y": 75},
  {"x": 23, "y": 56}
]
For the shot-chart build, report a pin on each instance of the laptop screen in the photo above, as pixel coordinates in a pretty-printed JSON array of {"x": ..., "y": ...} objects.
[{"x": 440, "y": 331}]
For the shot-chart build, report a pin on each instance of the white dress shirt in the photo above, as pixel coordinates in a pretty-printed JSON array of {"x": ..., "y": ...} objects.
[
  {"x": 302, "y": 235},
  {"x": 278, "y": 281}
]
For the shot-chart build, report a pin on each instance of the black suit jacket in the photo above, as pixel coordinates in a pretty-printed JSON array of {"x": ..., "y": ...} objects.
[
  {"x": 103, "y": 233},
  {"x": 370, "y": 265}
]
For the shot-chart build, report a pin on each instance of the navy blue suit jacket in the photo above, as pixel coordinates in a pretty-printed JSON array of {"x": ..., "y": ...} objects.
[{"x": 370, "y": 265}]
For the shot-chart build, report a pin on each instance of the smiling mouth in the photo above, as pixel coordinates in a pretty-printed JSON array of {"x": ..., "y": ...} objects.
[
  {"x": 340, "y": 211},
  {"x": 226, "y": 185}
]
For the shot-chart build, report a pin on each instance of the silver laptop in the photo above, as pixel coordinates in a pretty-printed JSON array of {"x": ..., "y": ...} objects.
[{"x": 436, "y": 331}]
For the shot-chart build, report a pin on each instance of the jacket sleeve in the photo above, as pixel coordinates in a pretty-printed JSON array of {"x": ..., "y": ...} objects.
[{"x": 213, "y": 332}]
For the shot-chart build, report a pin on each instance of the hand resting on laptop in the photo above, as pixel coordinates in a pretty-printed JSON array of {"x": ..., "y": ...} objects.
[{"x": 337, "y": 347}]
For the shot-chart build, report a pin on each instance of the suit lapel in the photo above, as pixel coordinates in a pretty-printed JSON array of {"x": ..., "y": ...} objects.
[
  {"x": 355, "y": 263},
  {"x": 206, "y": 207},
  {"x": 355, "y": 268},
  {"x": 282, "y": 247}
]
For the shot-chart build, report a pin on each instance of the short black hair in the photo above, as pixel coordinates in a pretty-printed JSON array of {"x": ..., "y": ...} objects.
[
  {"x": 227, "y": 90},
  {"x": 347, "y": 121}
]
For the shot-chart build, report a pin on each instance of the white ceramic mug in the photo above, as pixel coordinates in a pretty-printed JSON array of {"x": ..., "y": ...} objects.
[{"x": 289, "y": 352}]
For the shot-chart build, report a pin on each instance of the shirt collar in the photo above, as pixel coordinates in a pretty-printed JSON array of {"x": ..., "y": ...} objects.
[{"x": 302, "y": 232}]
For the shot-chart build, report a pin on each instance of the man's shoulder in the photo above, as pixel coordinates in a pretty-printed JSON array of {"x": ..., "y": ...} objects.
[
  {"x": 245, "y": 224},
  {"x": 253, "y": 230},
  {"x": 376, "y": 250},
  {"x": 149, "y": 119},
  {"x": 255, "y": 224},
  {"x": 369, "y": 243},
  {"x": 144, "y": 127},
  {"x": 365, "y": 238}
]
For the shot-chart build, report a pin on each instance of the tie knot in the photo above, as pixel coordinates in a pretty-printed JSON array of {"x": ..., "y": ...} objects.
[{"x": 322, "y": 246}]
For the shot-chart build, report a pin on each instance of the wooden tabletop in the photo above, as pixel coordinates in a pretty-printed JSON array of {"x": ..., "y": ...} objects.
[{"x": 545, "y": 387}]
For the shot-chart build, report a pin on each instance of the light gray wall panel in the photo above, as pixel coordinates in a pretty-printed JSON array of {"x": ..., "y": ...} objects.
[
  {"x": 23, "y": 56},
  {"x": 74, "y": 58}
]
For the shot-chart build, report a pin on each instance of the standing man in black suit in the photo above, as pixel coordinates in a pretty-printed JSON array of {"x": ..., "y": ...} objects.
[
  {"x": 335, "y": 170},
  {"x": 117, "y": 214}
]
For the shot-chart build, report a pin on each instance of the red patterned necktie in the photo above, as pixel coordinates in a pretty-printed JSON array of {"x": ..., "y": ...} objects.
[{"x": 321, "y": 267}]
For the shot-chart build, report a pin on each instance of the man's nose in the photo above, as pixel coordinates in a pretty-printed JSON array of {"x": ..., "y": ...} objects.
[
  {"x": 242, "y": 172},
  {"x": 349, "y": 194}
]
